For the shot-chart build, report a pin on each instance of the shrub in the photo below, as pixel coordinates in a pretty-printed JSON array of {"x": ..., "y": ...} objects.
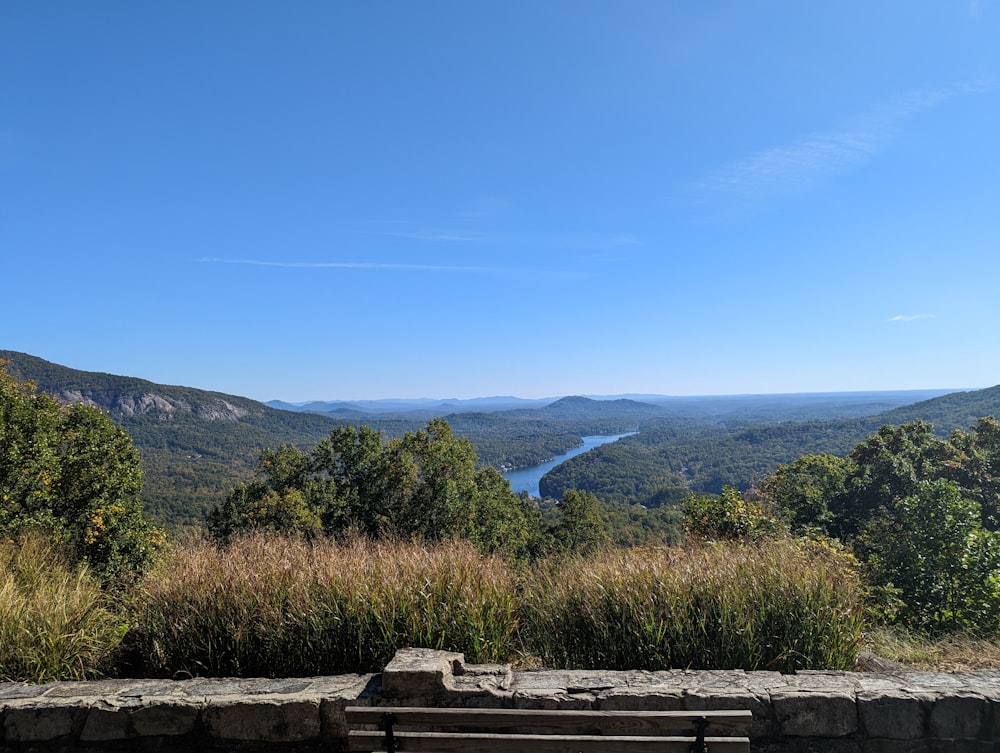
[
  {"x": 73, "y": 474},
  {"x": 54, "y": 620},
  {"x": 726, "y": 517}
]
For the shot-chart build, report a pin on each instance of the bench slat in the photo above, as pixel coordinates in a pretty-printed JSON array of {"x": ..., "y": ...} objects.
[
  {"x": 457, "y": 742},
  {"x": 617, "y": 721}
]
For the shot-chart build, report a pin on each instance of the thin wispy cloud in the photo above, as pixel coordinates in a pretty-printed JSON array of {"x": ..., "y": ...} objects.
[
  {"x": 909, "y": 317},
  {"x": 444, "y": 236},
  {"x": 803, "y": 163},
  {"x": 376, "y": 266},
  {"x": 592, "y": 241}
]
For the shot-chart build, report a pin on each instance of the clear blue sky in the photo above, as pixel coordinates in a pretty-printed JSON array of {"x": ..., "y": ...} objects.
[{"x": 410, "y": 198}]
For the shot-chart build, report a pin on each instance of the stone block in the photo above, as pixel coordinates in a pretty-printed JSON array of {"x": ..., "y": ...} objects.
[
  {"x": 87, "y": 689},
  {"x": 548, "y": 680},
  {"x": 269, "y": 721},
  {"x": 417, "y": 673},
  {"x": 893, "y": 713},
  {"x": 882, "y": 745},
  {"x": 36, "y": 723},
  {"x": 534, "y": 699},
  {"x": 960, "y": 715},
  {"x": 168, "y": 719},
  {"x": 105, "y": 722},
  {"x": 805, "y": 713},
  {"x": 735, "y": 698},
  {"x": 10, "y": 691}
]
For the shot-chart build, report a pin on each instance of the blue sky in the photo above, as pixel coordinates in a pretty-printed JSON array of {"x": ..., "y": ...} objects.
[{"x": 318, "y": 200}]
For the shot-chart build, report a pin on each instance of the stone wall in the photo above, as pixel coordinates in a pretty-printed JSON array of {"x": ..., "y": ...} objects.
[{"x": 909, "y": 712}]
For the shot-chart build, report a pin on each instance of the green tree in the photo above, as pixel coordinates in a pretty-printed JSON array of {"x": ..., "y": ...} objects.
[
  {"x": 581, "y": 529},
  {"x": 975, "y": 467},
  {"x": 920, "y": 510},
  {"x": 808, "y": 491},
  {"x": 728, "y": 516},
  {"x": 75, "y": 476},
  {"x": 888, "y": 466},
  {"x": 932, "y": 547},
  {"x": 423, "y": 485}
]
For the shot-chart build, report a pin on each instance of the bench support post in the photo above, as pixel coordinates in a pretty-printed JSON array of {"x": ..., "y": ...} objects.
[
  {"x": 388, "y": 719},
  {"x": 700, "y": 727}
]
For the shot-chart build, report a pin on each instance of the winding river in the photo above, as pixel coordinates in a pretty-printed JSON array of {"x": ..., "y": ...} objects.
[{"x": 526, "y": 479}]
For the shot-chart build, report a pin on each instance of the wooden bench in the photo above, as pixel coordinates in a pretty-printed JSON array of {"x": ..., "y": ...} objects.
[{"x": 447, "y": 730}]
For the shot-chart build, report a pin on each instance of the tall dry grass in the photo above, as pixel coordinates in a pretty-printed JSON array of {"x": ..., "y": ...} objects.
[
  {"x": 953, "y": 652},
  {"x": 282, "y": 607},
  {"x": 779, "y": 605},
  {"x": 55, "y": 621}
]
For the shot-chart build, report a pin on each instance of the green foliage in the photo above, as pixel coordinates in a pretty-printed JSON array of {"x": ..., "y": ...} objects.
[
  {"x": 932, "y": 547},
  {"x": 975, "y": 467},
  {"x": 804, "y": 490},
  {"x": 73, "y": 474},
  {"x": 55, "y": 621},
  {"x": 888, "y": 466},
  {"x": 920, "y": 510},
  {"x": 580, "y": 530},
  {"x": 422, "y": 486},
  {"x": 726, "y": 517}
]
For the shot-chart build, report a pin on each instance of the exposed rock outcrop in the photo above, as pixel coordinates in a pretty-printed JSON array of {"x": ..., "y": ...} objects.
[{"x": 130, "y": 404}]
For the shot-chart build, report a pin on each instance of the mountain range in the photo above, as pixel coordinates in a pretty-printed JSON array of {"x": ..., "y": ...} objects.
[{"x": 197, "y": 444}]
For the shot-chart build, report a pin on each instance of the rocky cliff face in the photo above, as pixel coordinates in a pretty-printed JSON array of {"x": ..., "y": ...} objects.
[{"x": 130, "y": 404}]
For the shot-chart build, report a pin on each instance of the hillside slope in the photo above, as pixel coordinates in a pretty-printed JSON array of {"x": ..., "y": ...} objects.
[
  {"x": 195, "y": 444},
  {"x": 642, "y": 469}
]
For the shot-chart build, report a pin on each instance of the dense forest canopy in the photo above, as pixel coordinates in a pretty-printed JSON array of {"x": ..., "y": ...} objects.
[{"x": 195, "y": 445}]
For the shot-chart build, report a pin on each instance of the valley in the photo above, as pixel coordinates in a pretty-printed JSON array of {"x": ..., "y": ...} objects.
[{"x": 197, "y": 445}]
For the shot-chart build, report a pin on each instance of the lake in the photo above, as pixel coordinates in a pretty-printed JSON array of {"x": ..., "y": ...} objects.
[{"x": 526, "y": 479}]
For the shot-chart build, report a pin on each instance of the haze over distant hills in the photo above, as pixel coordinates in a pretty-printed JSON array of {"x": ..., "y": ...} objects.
[
  {"x": 406, "y": 406},
  {"x": 197, "y": 444},
  {"x": 705, "y": 405}
]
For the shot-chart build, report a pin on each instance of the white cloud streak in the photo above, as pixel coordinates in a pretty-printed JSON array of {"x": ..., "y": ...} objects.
[
  {"x": 376, "y": 266},
  {"x": 909, "y": 317},
  {"x": 807, "y": 161}
]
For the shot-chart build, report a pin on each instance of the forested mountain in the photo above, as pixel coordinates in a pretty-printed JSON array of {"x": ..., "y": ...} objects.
[
  {"x": 649, "y": 467},
  {"x": 196, "y": 445}
]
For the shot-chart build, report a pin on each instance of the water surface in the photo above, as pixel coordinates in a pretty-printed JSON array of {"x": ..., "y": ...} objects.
[{"x": 526, "y": 479}]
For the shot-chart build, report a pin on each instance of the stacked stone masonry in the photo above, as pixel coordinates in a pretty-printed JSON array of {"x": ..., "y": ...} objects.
[{"x": 908, "y": 712}]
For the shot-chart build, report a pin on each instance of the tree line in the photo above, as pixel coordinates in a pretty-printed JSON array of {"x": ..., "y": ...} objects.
[{"x": 920, "y": 512}]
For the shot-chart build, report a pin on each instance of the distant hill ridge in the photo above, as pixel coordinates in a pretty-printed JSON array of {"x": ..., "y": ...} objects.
[
  {"x": 197, "y": 444},
  {"x": 706, "y": 455},
  {"x": 127, "y": 397}
]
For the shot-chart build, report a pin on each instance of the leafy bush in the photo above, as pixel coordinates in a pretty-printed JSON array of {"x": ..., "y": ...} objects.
[
  {"x": 946, "y": 566},
  {"x": 54, "y": 620},
  {"x": 920, "y": 511},
  {"x": 73, "y": 474},
  {"x": 726, "y": 517}
]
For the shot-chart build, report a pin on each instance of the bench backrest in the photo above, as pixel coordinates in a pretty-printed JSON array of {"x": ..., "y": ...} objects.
[{"x": 447, "y": 730}]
